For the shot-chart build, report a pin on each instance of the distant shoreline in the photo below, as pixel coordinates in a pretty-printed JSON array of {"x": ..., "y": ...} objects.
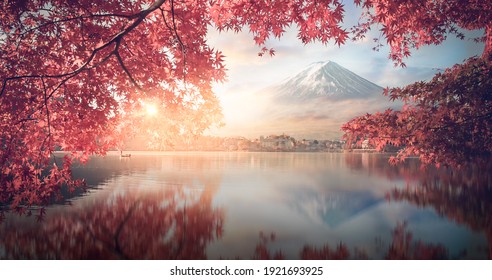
[{"x": 144, "y": 152}]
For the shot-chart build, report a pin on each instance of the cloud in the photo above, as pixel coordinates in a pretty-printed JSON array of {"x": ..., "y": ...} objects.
[
  {"x": 306, "y": 116},
  {"x": 245, "y": 109},
  {"x": 391, "y": 77}
]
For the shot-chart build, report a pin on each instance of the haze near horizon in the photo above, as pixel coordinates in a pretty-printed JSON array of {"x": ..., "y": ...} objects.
[{"x": 249, "y": 75}]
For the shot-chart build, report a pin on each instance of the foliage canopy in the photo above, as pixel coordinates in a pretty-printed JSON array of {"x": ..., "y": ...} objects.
[{"x": 76, "y": 74}]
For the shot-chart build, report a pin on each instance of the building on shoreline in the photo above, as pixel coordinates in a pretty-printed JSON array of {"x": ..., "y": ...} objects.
[
  {"x": 271, "y": 143},
  {"x": 278, "y": 143}
]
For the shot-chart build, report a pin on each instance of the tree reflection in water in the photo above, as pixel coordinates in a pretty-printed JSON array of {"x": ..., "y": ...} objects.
[
  {"x": 463, "y": 196},
  {"x": 402, "y": 247},
  {"x": 172, "y": 223},
  {"x": 173, "y": 217}
]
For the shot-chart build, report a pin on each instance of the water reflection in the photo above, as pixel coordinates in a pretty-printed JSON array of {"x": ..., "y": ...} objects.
[
  {"x": 304, "y": 205},
  {"x": 402, "y": 247},
  {"x": 342, "y": 206},
  {"x": 463, "y": 196},
  {"x": 126, "y": 219}
]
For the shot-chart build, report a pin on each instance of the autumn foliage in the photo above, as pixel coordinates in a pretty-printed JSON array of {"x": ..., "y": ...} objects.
[
  {"x": 75, "y": 74},
  {"x": 407, "y": 25},
  {"x": 447, "y": 120}
]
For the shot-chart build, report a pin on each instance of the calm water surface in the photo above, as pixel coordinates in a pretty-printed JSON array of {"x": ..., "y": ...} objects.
[{"x": 261, "y": 205}]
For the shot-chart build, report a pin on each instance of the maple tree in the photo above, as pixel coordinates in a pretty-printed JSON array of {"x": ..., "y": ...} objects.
[
  {"x": 75, "y": 74},
  {"x": 409, "y": 24},
  {"x": 447, "y": 120}
]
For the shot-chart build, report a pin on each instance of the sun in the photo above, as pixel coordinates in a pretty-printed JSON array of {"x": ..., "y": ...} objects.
[{"x": 151, "y": 109}]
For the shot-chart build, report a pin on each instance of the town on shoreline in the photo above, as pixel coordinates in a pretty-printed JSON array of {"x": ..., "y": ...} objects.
[{"x": 272, "y": 143}]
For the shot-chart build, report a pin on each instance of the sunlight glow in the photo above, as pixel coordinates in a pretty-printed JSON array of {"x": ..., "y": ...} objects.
[{"x": 151, "y": 109}]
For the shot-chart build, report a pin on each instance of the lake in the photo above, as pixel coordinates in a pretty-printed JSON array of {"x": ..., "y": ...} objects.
[{"x": 261, "y": 206}]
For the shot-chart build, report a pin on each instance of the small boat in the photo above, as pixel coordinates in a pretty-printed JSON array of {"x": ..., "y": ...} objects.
[{"x": 124, "y": 155}]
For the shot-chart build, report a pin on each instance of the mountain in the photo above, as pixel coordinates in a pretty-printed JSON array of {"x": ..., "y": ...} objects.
[
  {"x": 334, "y": 207},
  {"x": 312, "y": 104},
  {"x": 327, "y": 80}
]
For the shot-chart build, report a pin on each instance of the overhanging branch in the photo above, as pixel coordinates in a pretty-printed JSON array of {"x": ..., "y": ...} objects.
[
  {"x": 87, "y": 65},
  {"x": 120, "y": 61}
]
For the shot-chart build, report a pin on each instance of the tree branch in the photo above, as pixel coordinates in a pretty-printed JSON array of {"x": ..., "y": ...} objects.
[
  {"x": 81, "y": 17},
  {"x": 117, "y": 37},
  {"x": 120, "y": 61},
  {"x": 48, "y": 137},
  {"x": 178, "y": 38},
  {"x": 437, "y": 128},
  {"x": 119, "y": 230},
  {"x": 181, "y": 242},
  {"x": 487, "y": 51},
  {"x": 183, "y": 50}
]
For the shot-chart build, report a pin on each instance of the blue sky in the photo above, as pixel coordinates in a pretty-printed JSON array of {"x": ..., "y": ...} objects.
[
  {"x": 247, "y": 70},
  {"x": 249, "y": 73}
]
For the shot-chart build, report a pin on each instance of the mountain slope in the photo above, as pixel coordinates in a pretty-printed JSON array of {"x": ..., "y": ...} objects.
[
  {"x": 312, "y": 104},
  {"x": 328, "y": 80}
]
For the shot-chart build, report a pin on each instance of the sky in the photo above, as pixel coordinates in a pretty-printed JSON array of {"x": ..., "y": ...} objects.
[{"x": 248, "y": 73}]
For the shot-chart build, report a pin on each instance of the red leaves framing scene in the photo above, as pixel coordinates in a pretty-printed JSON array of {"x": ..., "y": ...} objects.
[{"x": 75, "y": 74}]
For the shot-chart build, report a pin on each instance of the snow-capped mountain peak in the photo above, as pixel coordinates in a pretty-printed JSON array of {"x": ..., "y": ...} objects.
[
  {"x": 327, "y": 79},
  {"x": 312, "y": 104}
]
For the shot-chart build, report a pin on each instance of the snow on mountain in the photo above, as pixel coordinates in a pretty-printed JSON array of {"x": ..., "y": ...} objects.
[
  {"x": 311, "y": 104},
  {"x": 326, "y": 79}
]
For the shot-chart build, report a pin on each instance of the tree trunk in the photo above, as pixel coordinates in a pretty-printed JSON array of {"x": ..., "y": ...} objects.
[{"x": 487, "y": 51}]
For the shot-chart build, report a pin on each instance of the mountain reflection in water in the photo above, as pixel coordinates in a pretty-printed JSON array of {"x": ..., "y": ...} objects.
[{"x": 262, "y": 206}]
